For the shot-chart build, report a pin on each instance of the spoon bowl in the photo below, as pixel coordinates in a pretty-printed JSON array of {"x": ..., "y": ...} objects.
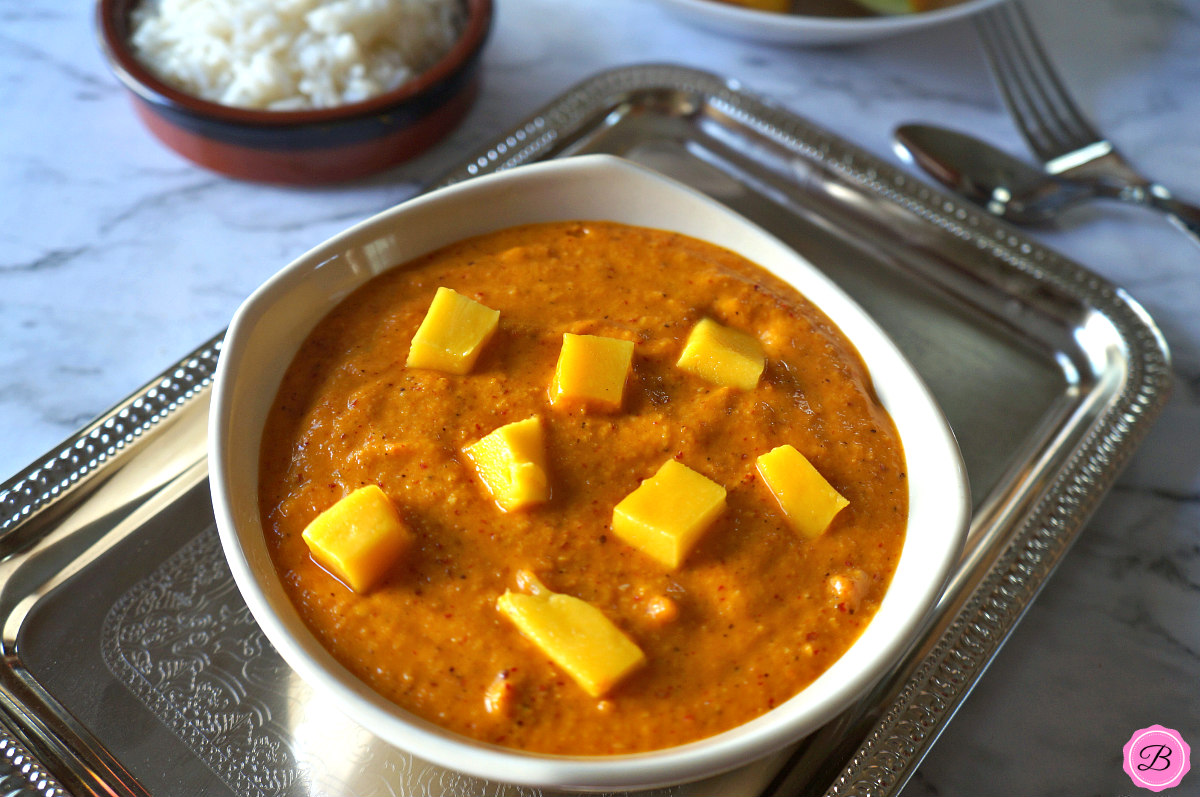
[{"x": 1003, "y": 185}]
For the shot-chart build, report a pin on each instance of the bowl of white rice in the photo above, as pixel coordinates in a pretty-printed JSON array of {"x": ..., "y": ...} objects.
[{"x": 297, "y": 91}]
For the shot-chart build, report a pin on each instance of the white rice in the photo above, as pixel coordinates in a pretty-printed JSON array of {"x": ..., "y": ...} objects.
[{"x": 292, "y": 54}]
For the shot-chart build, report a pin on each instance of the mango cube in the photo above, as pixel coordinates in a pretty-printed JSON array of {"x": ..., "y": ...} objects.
[
  {"x": 808, "y": 501},
  {"x": 592, "y": 370},
  {"x": 511, "y": 462},
  {"x": 724, "y": 356},
  {"x": 666, "y": 515},
  {"x": 453, "y": 332},
  {"x": 576, "y": 636},
  {"x": 359, "y": 538}
]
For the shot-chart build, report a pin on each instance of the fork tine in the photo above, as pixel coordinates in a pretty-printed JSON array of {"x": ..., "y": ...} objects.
[
  {"x": 1072, "y": 121},
  {"x": 1009, "y": 71},
  {"x": 1030, "y": 86}
]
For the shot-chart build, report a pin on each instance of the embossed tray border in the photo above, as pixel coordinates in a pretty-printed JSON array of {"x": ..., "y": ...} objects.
[{"x": 944, "y": 677}]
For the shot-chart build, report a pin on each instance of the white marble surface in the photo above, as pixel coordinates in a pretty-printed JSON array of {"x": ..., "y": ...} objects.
[{"x": 117, "y": 257}]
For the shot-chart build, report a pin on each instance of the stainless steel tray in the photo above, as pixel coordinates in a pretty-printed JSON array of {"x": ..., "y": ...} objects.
[{"x": 132, "y": 666}]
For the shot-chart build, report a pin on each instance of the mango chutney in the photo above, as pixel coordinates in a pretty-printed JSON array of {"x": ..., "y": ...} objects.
[{"x": 754, "y": 613}]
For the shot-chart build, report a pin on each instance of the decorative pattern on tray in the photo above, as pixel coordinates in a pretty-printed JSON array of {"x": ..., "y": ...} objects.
[
  {"x": 184, "y": 642},
  {"x": 20, "y": 773}
]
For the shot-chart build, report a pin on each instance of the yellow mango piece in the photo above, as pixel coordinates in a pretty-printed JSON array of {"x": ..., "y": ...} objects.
[
  {"x": 591, "y": 370},
  {"x": 723, "y": 356},
  {"x": 511, "y": 462},
  {"x": 575, "y": 635},
  {"x": 359, "y": 538},
  {"x": 808, "y": 501},
  {"x": 666, "y": 515},
  {"x": 453, "y": 332}
]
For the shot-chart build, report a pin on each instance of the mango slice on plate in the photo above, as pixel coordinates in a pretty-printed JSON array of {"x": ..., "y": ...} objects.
[
  {"x": 359, "y": 538},
  {"x": 722, "y": 355},
  {"x": 576, "y": 636},
  {"x": 511, "y": 462},
  {"x": 591, "y": 370},
  {"x": 452, "y": 334},
  {"x": 669, "y": 512},
  {"x": 808, "y": 501}
]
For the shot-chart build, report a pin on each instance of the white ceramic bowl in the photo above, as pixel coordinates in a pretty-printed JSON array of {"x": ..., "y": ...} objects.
[
  {"x": 768, "y": 26},
  {"x": 269, "y": 328}
]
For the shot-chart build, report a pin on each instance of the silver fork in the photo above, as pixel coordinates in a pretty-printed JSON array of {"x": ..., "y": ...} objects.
[{"x": 1057, "y": 132}]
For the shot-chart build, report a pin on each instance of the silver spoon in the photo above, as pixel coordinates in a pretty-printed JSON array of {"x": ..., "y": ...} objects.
[
  {"x": 1024, "y": 194},
  {"x": 1003, "y": 185}
]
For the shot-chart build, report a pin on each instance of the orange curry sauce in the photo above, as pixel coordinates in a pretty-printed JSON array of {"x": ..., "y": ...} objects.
[{"x": 753, "y": 615}]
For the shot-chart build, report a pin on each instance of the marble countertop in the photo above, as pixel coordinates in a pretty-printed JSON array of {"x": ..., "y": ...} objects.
[{"x": 117, "y": 257}]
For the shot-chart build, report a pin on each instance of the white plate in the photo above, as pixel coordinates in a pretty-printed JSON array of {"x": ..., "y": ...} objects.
[
  {"x": 268, "y": 329},
  {"x": 798, "y": 29}
]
